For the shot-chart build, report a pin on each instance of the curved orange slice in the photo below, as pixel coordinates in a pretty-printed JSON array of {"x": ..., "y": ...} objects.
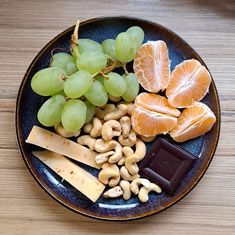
[
  {"x": 194, "y": 121},
  {"x": 189, "y": 83},
  {"x": 152, "y": 115},
  {"x": 148, "y": 123},
  {"x": 151, "y": 66},
  {"x": 156, "y": 103}
]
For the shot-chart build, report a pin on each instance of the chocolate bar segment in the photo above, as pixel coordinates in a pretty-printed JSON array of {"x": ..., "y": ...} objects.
[{"x": 166, "y": 164}]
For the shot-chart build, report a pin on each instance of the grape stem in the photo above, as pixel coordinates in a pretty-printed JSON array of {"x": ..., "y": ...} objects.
[
  {"x": 124, "y": 68},
  {"x": 102, "y": 73},
  {"x": 55, "y": 49},
  {"x": 53, "y": 52},
  {"x": 64, "y": 77},
  {"x": 74, "y": 41},
  {"x": 110, "y": 68}
]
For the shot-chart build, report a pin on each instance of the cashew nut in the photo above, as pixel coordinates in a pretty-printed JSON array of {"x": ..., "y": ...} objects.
[
  {"x": 117, "y": 155},
  {"x": 103, "y": 157},
  {"x": 129, "y": 141},
  {"x": 102, "y": 146},
  {"x": 126, "y": 188},
  {"x": 130, "y": 107},
  {"x": 109, "y": 174},
  {"x": 127, "y": 151},
  {"x": 96, "y": 129},
  {"x": 114, "y": 181},
  {"x": 119, "y": 112},
  {"x": 113, "y": 192},
  {"x": 125, "y": 122},
  {"x": 87, "y": 140},
  {"x": 139, "y": 154},
  {"x": 101, "y": 112},
  {"x": 67, "y": 134},
  {"x": 130, "y": 164},
  {"x": 143, "y": 194},
  {"x": 110, "y": 129},
  {"x": 114, "y": 99},
  {"x": 87, "y": 127},
  {"x": 147, "y": 139},
  {"x": 137, "y": 182},
  {"x": 126, "y": 175}
]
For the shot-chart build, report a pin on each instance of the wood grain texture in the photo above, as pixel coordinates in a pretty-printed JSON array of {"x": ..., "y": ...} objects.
[{"x": 26, "y": 26}]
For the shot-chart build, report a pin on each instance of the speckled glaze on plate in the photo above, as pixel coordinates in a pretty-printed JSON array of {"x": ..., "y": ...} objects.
[{"x": 28, "y": 104}]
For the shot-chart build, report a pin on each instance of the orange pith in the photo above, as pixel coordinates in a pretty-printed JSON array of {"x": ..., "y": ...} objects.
[
  {"x": 151, "y": 66},
  {"x": 157, "y": 103},
  {"x": 152, "y": 115},
  {"x": 193, "y": 122},
  {"x": 189, "y": 83}
]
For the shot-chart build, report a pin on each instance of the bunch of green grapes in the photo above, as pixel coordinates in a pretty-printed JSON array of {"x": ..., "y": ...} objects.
[{"x": 82, "y": 80}]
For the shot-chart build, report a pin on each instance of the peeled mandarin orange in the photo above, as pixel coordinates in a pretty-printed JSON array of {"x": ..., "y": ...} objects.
[
  {"x": 194, "y": 121},
  {"x": 189, "y": 83},
  {"x": 151, "y": 66},
  {"x": 157, "y": 103},
  {"x": 152, "y": 115}
]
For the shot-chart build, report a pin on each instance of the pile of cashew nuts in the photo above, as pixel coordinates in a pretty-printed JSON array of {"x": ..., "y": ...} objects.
[{"x": 110, "y": 134}]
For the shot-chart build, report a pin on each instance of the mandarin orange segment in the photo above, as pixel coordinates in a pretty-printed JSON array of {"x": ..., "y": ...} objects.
[
  {"x": 194, "y": 121},
  {"x": 151, "y": 66},
  {"x": 148, "y": 123},
  {"x": 189, "y": 83},
  {"x": 156, "y": 103}
]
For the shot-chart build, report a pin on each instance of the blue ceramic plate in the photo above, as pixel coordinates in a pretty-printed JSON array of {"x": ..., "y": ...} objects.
[{"x": 28, "y": 104}]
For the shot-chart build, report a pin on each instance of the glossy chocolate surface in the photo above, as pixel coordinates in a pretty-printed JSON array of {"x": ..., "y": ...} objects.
[{"x": 166, "y": 164}]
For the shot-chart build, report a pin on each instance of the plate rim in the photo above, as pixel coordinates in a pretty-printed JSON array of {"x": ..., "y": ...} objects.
[{"x": 51, "y": 193}]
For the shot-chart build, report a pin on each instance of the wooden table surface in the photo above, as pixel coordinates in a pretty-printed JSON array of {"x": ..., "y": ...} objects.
[{"x": 26, "y": 26}]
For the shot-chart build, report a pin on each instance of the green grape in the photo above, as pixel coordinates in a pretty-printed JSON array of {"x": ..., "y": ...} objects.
[
  {"x": 48, "y": 81},
  {"x": 132, "y": 87},
  {"x": 85, "y": 45},
  {"x": 125, "y": 47},
  {"x": 50, "y": 112},
  {"x": 137, "y": 34},
  {"x": 73, "y": 115},
  {"x": 90, "y": 112},
  {"x": 99, "y": 78},
  {"x": 115, "y": 84},
  {"x": 78, "y": 84},
  {"x": 91, "y": 61},
  {"x": 64, "y": 61},
  {"x": 61, "y": 93},
  {"x": 109, "y": 48},
  {"x": 97, "y": 95}
]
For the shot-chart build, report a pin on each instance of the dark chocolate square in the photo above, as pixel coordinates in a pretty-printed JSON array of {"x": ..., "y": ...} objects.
[{"x": 166, "y": 164}]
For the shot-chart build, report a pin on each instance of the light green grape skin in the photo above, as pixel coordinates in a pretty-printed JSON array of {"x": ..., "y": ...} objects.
[
  {"x": 137, "y": 34},
  {"x": 85, "y": 45},
  {"x": 90, "y": 112},
  {"x": 97, "y": 95},
  {"x": 48, "y": 81},
  {"x": 99, "y": 78},
  {"x": 61, "y": 93},
  {"x": 115, "y": 84},
  {"x": 132, "y": 87},
  {"x": 125, "y": 47},
  {"x": 50, "y": 112},
  {"x": 73, "y": 115},
  {"x": 109, "y": 48},
  {"x": 78, "y": 84},
  {"x": 92, "y": 61},
  {"x": 64, "y": 61}
]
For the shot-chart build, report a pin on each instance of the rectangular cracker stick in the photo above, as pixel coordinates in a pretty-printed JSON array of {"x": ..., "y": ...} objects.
[
  {"x": 56, "y": 143},
  {"x": 82, "y": 180}
]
